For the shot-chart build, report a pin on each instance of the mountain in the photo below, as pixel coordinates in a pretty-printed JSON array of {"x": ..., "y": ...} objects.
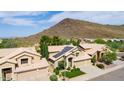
[{"x": 69, "y": 28}]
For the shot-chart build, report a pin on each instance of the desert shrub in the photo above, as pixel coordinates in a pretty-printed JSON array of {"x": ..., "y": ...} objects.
[
  {"x": 109, "y": 57},
  {"x": 53, "y": 78},
  {"x": 122, "y": 58},
  {"x": 121, "y": 49},
  {"x": 114, "y": 45},
  {"x": 100, "y": 41},
  {"x": 101, "y": 66}
]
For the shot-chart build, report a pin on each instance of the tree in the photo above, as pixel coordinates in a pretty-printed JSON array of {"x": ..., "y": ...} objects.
[
  {"x": 75, "y": 42},
  {"x": 45, "y": 39},
  {"x": 62, "y": 65},
  {"x": 44, "y": 42},
  {"x": 8, "y": 43},
  {"x": 44, "y": 50},
  {"x": 56, "y": 40}
]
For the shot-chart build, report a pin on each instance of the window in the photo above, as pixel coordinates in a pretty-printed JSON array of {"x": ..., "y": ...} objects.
[
  {"x": 24, "y": 61},
  {"x": 77, "y": 54}
]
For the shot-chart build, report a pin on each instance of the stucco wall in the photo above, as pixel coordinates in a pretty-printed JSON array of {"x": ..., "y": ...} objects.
[
  {"x": 33, "y": 75},
  {"x": 83, "y": 63},
  {"x": 7, "y": 65},
  {"x": 31, "y": 58}
]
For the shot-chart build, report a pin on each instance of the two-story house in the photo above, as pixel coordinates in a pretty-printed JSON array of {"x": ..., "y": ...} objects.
[{"x": 22, "y": 64}]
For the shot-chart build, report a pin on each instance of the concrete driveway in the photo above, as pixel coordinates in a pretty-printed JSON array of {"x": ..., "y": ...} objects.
[
  {"x": 117, "y": 75},
  {"x": 110, "y": 74},
  {"x": 90, "y": 70}
]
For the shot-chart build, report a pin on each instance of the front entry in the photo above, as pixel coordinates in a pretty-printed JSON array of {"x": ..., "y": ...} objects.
[
  {"x": 70, "y": 62},
  {"x": 7, "y": 74}
]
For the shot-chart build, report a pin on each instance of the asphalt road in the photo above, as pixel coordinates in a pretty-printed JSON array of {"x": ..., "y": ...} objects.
[{"x": 117, "y": 75}]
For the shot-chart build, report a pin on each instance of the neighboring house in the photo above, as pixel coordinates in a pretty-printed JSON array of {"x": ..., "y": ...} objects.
[
  {"x": 78, "y": 56},
  {"x": 97, "y": 50},
  {"x": 90, "y": 40},
  {"x": 22, "y": 64}
]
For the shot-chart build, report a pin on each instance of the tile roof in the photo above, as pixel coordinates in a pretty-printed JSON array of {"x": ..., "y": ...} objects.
[
  {"x": 82, "y": 57},
  {"x": 93, "y": 46},
  {"x": 55, "y": 48},
  {"x": 65, "y": 51},
  {"x": 6, "y": 54}
]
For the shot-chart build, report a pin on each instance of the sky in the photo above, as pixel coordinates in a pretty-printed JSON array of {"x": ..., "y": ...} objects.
[{"x": 21, "y": 24}]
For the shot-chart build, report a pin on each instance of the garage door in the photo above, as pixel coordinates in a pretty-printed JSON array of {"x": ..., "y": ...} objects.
[
  {"x": 83, "y": 63},
  {"x": 33, "y": 75}
]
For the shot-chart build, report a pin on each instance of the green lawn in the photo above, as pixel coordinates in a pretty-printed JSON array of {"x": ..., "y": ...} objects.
[{"x": 73, "y": 73}]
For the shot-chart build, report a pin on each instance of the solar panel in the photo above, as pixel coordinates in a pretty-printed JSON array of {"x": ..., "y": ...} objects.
[{"x": 66, "y": 49}]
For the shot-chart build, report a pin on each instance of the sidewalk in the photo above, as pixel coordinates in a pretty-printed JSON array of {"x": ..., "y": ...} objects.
[{"x": 92, "y": 75}]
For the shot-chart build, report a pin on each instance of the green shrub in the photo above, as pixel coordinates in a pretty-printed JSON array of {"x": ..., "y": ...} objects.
[
  {"x": 53, "y": 78},
  {"x": 61, "y": 65},
  {"x": 73, "y": 73},
  {"x": 108, "y": 61},
  {"x": 56, "y": 71},
  {"x": 93, "y": 60},
  {"x": 101, "y": 66},
  {"x": 72, "y": 70},
  {"x": 109, "y": 57}
]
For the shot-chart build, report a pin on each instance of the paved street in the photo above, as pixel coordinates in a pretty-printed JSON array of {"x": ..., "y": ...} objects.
[{"x": 117, "y": 75}]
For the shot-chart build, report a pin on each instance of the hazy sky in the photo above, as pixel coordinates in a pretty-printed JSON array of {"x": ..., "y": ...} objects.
[{"x": 16, "y": 24}]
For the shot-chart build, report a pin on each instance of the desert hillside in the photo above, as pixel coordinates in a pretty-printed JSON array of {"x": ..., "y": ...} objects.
[{"x": 69, "y": 28}]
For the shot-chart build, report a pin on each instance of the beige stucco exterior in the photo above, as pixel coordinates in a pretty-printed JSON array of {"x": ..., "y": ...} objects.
[
  {"x": 37, "y": 75},
  {"x": 81, "y": 55},
  {"x": 35, "y": 68},
  {"x": 83, "y": 63},
  {"x": 74, "y": 54}
]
